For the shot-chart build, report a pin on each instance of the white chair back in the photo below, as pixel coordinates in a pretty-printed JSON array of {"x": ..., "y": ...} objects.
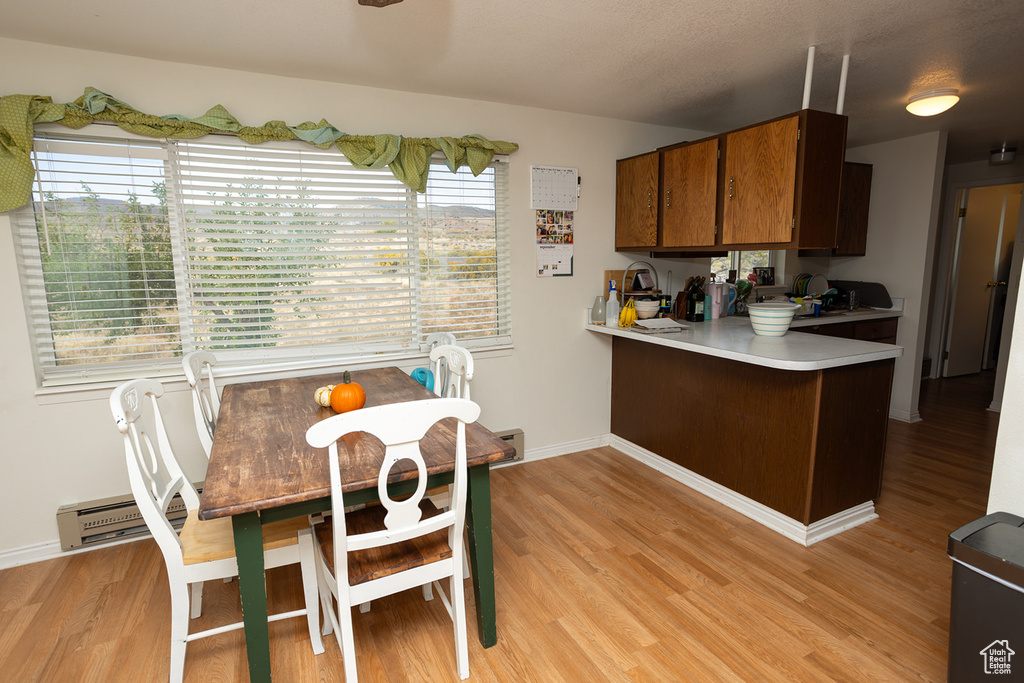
[
  {"x": 155, "y": 477},
  {"x": 153, "y": 471},
  {"x": 439, "y": 339},
  {"x": 453, "y": 371},
  {"x": 205, "y": 396},
  {"x": 400, "y": 427}
]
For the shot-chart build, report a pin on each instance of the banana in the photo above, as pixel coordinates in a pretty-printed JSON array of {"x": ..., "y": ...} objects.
[{"x": 627, "y": 316}]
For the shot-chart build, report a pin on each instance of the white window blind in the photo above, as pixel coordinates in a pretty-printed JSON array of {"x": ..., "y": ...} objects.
[
  {"x": 95, "y": 256},
  {"x": 293, "y": 248},
  {"x": 464, "y": 254},
  {"x": 135, "y": 251}
]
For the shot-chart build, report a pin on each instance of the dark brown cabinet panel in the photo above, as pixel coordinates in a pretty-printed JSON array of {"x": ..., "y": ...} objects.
[
  {"x": 854, "y": 201},
  {"x": 808, "y": 444},
  {"x": 882, "y": 330}
]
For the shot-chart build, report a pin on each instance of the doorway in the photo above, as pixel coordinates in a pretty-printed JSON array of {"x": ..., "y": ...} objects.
[{"x": 983, "y": 247}]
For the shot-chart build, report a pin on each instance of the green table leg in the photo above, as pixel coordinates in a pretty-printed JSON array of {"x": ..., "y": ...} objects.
[
  {"x": 252, "y": 584},
  {"x": 481, "y": 552}
]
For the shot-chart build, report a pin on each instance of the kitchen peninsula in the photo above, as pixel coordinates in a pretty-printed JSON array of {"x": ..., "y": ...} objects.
[{"x": 788, "y": 430}]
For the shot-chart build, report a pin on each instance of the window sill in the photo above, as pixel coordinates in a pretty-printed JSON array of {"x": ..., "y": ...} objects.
[{"x": 229, "y": 374}]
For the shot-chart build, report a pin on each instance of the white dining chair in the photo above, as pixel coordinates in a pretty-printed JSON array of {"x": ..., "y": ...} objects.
[
  {"x": 453, "y": 371},
  {"x": 435, "y": 339},
  {"x": 205, "y": 396},
  {"x": 400, "y": 544},
  {"x": 203, "y": 550},
  {"x": 439, "y": 339}
]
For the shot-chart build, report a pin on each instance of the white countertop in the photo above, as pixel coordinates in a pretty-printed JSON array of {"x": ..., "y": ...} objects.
[
  {"x": 733, "y": 338},
  {"x": 850, "y": 316}
]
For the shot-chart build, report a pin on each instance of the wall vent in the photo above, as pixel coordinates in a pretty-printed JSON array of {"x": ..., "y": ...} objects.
[
  {"x": 109, "y": 519},
  {"x": 517, "y": 439}
]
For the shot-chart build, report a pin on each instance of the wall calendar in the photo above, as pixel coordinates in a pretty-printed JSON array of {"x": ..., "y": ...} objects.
[
  {"x": 553, "y": 195},
  {"x": 554, "y": 188}
]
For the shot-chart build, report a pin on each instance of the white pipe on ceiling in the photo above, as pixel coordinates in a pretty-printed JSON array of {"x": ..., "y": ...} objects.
[
  {"x": 842, "y": 84},
  {"x": 807, "y": 78}
]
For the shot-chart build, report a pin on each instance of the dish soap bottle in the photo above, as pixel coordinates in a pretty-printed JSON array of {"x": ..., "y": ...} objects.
[{"x": 611, "y": 310}]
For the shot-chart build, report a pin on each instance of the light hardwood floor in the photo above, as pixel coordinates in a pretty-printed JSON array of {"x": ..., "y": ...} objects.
[{"x": 605, "y": 570}]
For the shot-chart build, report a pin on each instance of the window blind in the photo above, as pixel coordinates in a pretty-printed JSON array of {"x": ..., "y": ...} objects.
[
  {"x": 95, "y": 255},
  {"x": 464, "y": 256},
  {"x": 292, "y": 248},
  {"x": 137, "y": 250}
]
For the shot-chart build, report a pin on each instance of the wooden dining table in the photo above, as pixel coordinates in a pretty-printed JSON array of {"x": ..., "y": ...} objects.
[{"x": 262, "y": 470}]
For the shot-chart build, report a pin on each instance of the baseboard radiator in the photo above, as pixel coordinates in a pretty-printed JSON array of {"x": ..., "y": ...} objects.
[
  {"x": 109, "y": 519},
  {"x": 518, "y": 441}
]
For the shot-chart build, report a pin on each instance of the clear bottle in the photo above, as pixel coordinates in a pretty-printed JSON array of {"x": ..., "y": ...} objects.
[
  {"x": 597, "y": 313},
  {"x": 611, "y": 310}
]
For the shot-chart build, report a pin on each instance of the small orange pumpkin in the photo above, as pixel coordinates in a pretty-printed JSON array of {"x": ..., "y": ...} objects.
[{"x": 348, "y": 395}]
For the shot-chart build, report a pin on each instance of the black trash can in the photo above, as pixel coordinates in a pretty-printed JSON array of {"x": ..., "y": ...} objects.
[{"x": 986, "y": 616}]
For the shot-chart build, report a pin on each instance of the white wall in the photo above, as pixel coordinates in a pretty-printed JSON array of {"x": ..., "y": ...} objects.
[
  {"x": 555, "y": 384},
  {"x": 902, "y": 224},
  {"x": 1006, "y": 492}
]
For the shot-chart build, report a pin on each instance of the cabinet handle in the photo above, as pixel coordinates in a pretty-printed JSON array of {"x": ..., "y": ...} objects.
[
  {"x": 668, "y": 198},
  {"x": 996, "y": 284},
  {"x": 648, "y": 199},
  {"x": 730, "y": 187}
]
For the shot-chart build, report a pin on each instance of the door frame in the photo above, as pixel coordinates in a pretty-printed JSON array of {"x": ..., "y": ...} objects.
[{"x": 942, "y": 277}]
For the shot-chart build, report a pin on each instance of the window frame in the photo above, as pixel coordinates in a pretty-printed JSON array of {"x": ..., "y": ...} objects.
[
  {"x": 775, "y": 260},
  {"x": 78, "y": 378}
]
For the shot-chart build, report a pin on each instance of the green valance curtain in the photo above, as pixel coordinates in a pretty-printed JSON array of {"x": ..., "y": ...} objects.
[{"x": 408, "y": 158}]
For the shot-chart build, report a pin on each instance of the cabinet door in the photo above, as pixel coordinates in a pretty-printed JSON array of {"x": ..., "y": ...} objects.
[
  {"x": 636, "y": 202},
  {"x": 689, "y": 186},
  {"x": 852, "y": 234},
  {"x": 760, "y": 183}
]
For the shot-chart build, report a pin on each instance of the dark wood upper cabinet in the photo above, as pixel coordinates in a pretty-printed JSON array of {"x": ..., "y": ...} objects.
[
  {"x": 772, "y": 185},
  {"x": 636, "y": 202},
  {"x": 760, "y": 183},
  {"x": 854, "y": 202},
  {"x": 689, "y": 183}
]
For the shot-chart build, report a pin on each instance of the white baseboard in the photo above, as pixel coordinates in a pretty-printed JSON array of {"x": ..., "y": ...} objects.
[
  {"x": 905, "y": 416},
  {"x": 29, "y": 554},
  {"x": 776, "y": 521},
  {"x": 786, "y": 526},
  {"x": 49, "y": 550}
]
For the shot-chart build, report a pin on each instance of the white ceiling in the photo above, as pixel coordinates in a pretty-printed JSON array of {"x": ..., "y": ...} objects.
[{"x": 697, "y": 64}]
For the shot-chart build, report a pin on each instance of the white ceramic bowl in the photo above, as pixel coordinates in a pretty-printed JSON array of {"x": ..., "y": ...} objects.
[
  {"x": 771, "y": 319},
  {"x": 646, "y": 309}
]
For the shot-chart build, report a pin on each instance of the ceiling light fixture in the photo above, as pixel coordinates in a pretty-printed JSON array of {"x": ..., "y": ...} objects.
[{"x": 932, "y": 102}]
